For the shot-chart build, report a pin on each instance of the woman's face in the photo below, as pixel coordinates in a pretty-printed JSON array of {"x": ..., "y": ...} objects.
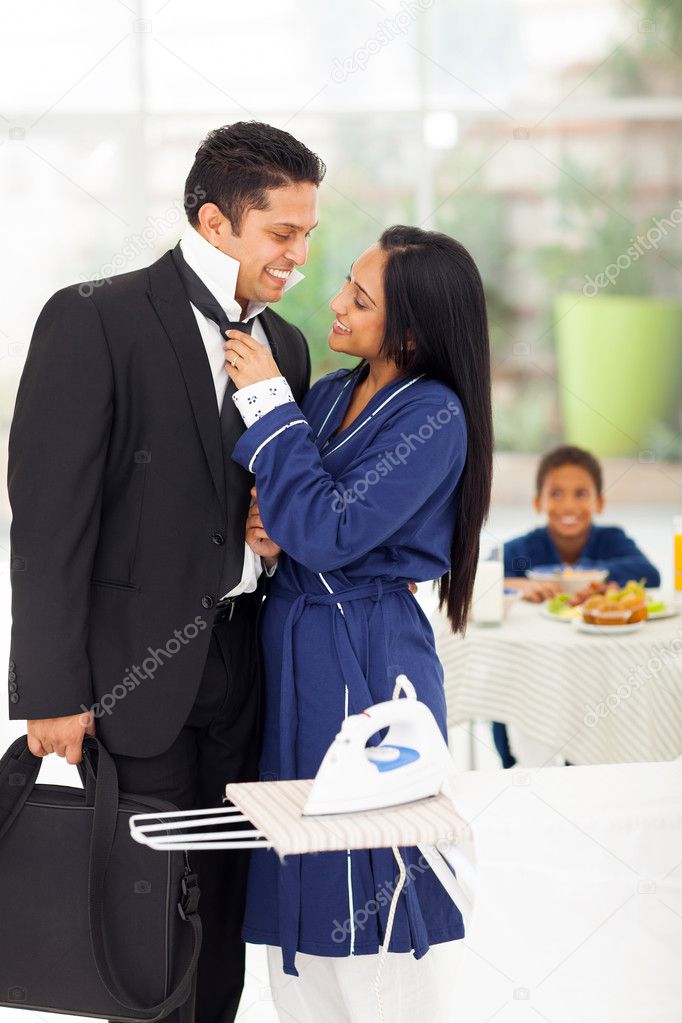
[{"x": 358, "y": 329}]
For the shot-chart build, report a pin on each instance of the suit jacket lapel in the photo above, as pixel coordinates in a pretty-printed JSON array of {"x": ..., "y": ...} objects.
[
  {"x": 283, "y": 353},
  {"x": 171, "y": 304}
]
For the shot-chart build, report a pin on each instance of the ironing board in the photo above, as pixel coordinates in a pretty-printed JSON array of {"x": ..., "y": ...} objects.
[{"x": 269, "y": 815}]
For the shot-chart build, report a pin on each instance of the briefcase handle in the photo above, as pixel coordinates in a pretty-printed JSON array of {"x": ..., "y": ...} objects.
[{"x": 19, "y": 770}]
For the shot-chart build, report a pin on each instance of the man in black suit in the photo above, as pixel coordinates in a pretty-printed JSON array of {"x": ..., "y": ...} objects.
[{"x": 134, "y": 596}]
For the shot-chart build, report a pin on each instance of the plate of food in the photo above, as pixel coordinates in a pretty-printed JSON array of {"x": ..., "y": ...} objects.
[
  {"x": 657, "y": 608},
  {"x": 560, "y": 608},
  {"x": 617, "y": 611},
  {"x": 606, "y": 630},
  {"x": 565, "y": 607},
  {"x": 572, "y": 578}
]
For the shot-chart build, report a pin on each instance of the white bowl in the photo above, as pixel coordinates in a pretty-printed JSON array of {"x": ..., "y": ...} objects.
[{"x": 571, "y": 580}]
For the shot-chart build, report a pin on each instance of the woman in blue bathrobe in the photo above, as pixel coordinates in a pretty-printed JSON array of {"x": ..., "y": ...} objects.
[{"x": 382, "y": 476}]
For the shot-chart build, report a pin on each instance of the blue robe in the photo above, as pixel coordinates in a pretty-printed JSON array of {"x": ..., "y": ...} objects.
[
  {"x": 358, "y": 513},
  {"x": 606, "y": 547}
]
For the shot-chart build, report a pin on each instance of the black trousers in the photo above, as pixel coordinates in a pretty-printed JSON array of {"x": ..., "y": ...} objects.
[{"x": 219, "y": 743}]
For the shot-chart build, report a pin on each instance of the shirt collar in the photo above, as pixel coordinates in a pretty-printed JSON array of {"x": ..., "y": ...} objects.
[{"x": 219, "y": 273}]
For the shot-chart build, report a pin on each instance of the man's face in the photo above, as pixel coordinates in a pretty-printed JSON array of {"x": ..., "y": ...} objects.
[{"x": 271, "y": 242}]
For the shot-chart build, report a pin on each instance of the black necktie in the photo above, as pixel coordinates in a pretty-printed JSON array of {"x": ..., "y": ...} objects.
[
  {"x": 203, "y": 299},
  {"x": 237, "y": 481}
]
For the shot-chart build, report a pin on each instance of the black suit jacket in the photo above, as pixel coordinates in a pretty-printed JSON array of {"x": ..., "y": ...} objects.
[{"x": 121, "y": 492}]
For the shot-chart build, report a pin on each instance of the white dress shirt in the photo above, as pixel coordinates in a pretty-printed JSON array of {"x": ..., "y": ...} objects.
[{"x": 219, "y": 273}]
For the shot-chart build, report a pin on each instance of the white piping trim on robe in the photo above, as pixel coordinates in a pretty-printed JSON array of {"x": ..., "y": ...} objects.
[
  {"x": 338, "y": 398},
  {"x": 294, "y": 422},
  {"x": 376, "y": 410},
  {"x": 349, "y": 876}
]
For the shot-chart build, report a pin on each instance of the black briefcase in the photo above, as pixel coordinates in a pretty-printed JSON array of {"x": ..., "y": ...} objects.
[{"x": 91, "y": 922}]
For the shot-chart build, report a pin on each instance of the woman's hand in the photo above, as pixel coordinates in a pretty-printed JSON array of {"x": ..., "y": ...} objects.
[
  {"x": 256, "y": 537},
  {"x": 247, "y": 361}
]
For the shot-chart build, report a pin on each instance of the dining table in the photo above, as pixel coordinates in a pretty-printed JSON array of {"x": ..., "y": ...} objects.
[{"x": 567, "y": 695}]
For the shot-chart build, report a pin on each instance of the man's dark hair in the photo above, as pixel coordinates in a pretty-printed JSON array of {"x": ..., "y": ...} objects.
[
  {"x": 569, "y": 455},
  {"x": 236, "y": 164}
]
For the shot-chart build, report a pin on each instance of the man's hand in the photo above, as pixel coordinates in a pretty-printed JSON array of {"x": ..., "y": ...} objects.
[
  {"x": 256, "y": 537},
  {"x": 63, "y": 736}
]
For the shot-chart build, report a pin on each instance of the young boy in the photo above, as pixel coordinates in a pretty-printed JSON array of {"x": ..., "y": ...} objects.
[{"x": 569, "y": 491}]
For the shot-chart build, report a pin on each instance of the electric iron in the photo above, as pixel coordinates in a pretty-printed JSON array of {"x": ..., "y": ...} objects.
[{"x": 412, "y": 762}]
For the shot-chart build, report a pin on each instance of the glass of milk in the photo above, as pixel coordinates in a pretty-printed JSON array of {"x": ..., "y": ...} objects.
[{"x": 487, "y": 603}]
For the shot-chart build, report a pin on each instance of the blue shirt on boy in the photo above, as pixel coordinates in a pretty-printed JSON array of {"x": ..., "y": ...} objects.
[{"x": 607, "y": 547}]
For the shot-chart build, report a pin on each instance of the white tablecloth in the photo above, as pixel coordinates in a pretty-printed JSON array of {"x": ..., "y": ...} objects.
[
  {"x": 578, "y": 912},
  {"x": 592, "y": 699}
]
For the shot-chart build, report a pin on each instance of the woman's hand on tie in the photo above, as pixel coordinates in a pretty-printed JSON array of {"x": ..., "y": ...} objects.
[
  {"x": 256, "y": 537},
  {"x": 247, "y": 361}
]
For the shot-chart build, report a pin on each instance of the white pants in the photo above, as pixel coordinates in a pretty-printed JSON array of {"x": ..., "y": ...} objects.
[{"x": 342, "y": 990}]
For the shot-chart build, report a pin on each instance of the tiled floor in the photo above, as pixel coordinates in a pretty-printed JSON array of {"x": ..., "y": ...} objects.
[{"x": 649, "y": 524}]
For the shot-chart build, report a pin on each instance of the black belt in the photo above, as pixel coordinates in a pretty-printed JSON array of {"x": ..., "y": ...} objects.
[{"x": 225, "y": 608}]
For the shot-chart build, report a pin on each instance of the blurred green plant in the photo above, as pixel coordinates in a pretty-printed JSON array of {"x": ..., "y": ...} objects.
[
  {"x": 524, "y": 418},
  {"x": 667, "y": 17},
  {"x": 665, "y": 442},
  {"x": 649, "y": 62},
  {"x": 594, "y": 234}
]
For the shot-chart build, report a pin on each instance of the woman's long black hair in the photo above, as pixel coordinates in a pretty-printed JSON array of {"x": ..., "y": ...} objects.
[{"x": 434, "y": 298}]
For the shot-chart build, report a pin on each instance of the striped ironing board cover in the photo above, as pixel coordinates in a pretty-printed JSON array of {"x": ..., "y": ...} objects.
[{"x": 275, "y": 808}]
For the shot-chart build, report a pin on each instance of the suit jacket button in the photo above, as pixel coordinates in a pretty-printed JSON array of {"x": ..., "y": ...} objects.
[
  {"x": 11, "y": 676},
  {"x": 11, "y": 665},
  {"x": 218, "y": 539},
  {"x": 12, "y": 687},
  {"x": 14, "y": 698},
  {"x": 207, "y": 601}
]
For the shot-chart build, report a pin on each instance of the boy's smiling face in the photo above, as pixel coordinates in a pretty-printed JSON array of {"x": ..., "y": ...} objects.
[{"x": 569, "y": 499}]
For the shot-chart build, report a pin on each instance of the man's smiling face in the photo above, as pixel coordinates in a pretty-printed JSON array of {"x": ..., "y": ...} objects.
[{"x": 271, "y": 242}]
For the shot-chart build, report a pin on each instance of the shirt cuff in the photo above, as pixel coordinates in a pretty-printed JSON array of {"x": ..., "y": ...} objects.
[{"x": 255, "y": 400}]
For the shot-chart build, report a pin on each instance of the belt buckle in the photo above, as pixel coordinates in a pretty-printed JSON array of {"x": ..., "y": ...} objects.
[{"x": 227, "y": 608}]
